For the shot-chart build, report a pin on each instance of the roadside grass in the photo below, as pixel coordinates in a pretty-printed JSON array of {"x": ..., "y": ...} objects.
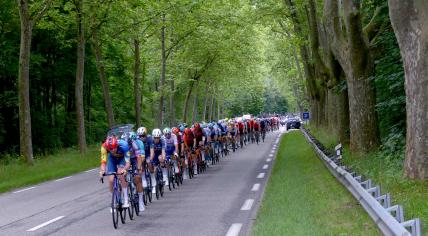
[
  {"x": 303, "y": 198},
  {"x": 386, "y": 171},
  {"x": 16, "y": 173}
]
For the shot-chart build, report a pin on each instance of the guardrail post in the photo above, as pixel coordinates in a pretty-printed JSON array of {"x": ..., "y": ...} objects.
[
  {"x": 367, "y": 184},
  {"x": 375, "y": 191},
  {"x": 414, "y": 226},
  {"x": 399, "y": 213},
  {"x": 384, "y": 200}
]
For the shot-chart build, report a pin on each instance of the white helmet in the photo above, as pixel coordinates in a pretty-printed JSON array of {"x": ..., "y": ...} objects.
[
  {"x": 141, "y": 131},
  {"x": 157, "y": 133}
]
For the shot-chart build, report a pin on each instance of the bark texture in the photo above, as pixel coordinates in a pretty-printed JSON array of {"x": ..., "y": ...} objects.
[
  {"x": 137, "y": 82},
  {"x": 409, "y": 20}
]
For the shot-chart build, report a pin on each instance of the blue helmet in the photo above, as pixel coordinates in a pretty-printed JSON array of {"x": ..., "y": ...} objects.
[{"x": 132, "y": 135}]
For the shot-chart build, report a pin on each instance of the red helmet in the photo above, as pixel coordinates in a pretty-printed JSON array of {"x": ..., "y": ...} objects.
[
  {"x": 187, "y": 131},
  {"x": 197, "y": 125},
  {"x": 111, "y": 143},
  {"x": 175, "y": 130}
]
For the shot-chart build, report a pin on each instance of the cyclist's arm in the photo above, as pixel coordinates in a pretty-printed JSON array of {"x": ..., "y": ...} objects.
[
  {"x": 103, "y": 158},
  {"x": 152, "y": 153}
]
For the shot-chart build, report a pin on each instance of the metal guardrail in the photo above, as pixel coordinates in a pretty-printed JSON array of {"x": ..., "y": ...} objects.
[{"x": 389, "y": 219}]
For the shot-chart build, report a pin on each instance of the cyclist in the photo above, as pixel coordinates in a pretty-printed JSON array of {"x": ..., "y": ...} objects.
[
  {"x": 241, "y": 128},
  {"x": 157, "y": 154},
  {"x": 115, "y": 155},
  {"x": 137, "y": 157},
  {"x": 171, "y": 148},
  {"x": 256, "y": 127},
  {"x": 189, "y": 145}
]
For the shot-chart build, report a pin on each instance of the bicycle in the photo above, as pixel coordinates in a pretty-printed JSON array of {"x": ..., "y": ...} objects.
[
  {"x": 188, "y": 158},
  {"x": 148, "y": 195},
  {"x": 257, "y": 136},
  {"x": 132, "y": 194},
  {"x": 159, "y": 182},
  {"x": 116, "y": 200},
  {"x": 171, "y": 176}
]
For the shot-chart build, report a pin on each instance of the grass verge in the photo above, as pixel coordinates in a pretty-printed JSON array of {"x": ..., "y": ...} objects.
[
  {"x": 387, "y": 171},
  {"x": 17, "y": 173},
  {"x": 303, "y": 198}
]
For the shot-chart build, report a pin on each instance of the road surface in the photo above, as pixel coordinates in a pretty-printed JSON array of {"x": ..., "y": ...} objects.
[{"x": 222, "y": 201}]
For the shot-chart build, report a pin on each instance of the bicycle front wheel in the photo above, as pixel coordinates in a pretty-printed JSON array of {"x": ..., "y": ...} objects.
[{"x": 114, "y": 208}]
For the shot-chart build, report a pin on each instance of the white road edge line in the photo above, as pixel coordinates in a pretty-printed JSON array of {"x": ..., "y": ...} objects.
[
  {"x": 25, "y": 189},
  {"x": 247, "y": 205},
  {"x": 255, "y": 188},
  {"x": 265, "y": 167},
  {"x": 91, "y": 170},
  {"x": 234, "y": 230},
  {"x": 261, "y": 175},
  {"x": 268, "y": 160},
  {"x": 46, "y": 223},
  {"x": 62, "y": 179}
]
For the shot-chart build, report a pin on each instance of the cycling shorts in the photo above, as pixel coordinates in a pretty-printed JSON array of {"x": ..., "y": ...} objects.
[{"x": 114, "y": 162}]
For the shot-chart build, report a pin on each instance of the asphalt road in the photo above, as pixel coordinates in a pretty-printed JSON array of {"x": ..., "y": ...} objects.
[{"x": 222, "y": 201}]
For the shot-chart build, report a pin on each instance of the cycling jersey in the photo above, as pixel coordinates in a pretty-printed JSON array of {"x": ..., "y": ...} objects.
[
  {"x": 207, "y": 133},
  {"x": 198, "y": 135},
  {"x": 120, "y": 158},
  {"x": 170, "y": 145},
  {"x": 241, "y": 127},
  {"x": 256, "y": 126},
  {"x": 189, "y": 140},
  {"x": 147, "y": 145},
  {"x": 157, "y": 147}
]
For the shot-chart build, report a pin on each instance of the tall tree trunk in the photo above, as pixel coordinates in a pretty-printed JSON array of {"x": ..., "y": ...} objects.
[
  {"x": 409, "y": 20},
  {"x": 353, "y": 53},
  {"x": 204, "y": 114},
  {"x": 210, "y": 110},
  {"x": 25, "y": 141},
  {"x": 186, "y": 101},
  {"x": 79, "y": 78},
  {"x": 171, "y": 102},
  {"x": 218, "y": 110},
  {"x": 343, "y": 117},
  {"x": 163, "y": 73},
  {"x": 137, "y": 82},
  {"x": 104, "y": 83},
  {"x": 195, "y": 105}
]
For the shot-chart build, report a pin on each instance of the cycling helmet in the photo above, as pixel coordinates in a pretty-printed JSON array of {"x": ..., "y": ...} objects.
[
  {"x": 175, "y": 130},
  {"x": 111, "y": 143},
  {"x": 141, "y": 131},
  {"x": 203, "y": 125},
  {"x": 156, "y": 133},
  {"x": 166, "y": 131},
  {"x": 210, "y": 125},
  {"x": 197, "y": 125},
  {"x": 185, "y": 125},
  {"x": 182, "y": 128},
  {"x": 132, "y": 135}
]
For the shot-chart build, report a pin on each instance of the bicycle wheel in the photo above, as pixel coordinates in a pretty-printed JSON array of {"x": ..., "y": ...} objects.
[
  {"x": 131, "y": 201},
  {"x": 122, "y": 213},
  {"x": 157, "y": 192},
  {"x": 114, "y": 208},
  {"x": 170, "y": 182}
]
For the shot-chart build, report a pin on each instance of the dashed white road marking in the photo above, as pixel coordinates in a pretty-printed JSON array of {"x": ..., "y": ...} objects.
[
  {"x": 63, "y": 179},
  {"x": 261, "y": 175},
  {"x": 269, "y": 159},
  {"x": 265, "y": 167},
  {"x": 46, "y": 223},
  {"x": 247, "y": 205},
  {"x": 234, "y": 229},
  {"x": 271, "y": 155},
  {"x": 255, "y": 188},
  {"x": 272, "y": 151}
]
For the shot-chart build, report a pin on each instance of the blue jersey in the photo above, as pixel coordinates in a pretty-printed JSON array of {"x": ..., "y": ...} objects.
[
  {"x": 147, "y": 144},
  {"x": 157, "y": 147},
  {"x": 122, "y": 150},
  {"x": 170, "y": 144},
  {"x": 141, "y": 147}
]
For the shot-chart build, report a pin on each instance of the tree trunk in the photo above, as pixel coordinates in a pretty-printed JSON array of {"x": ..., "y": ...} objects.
[
  {"x": 163, "y": 73},
  {"x": 79, "y": 78},
  {"x": 186, "y": 101},
  {"x": 210, "y": 111},
  {"x": 171, "y": 103},
  {"x": 195, "y": 105},
  {"x": 353, "y": 53},
  {"x": 104, "y": 83},
  {"x": 137, "y": 82},
  {"x": 204, "y": 114},
  {"x": 343, "y": 117},
  {"x": 218, "y": 110},
  {"x": 409, "y": 20},
  {"x": 25, "y": 141}
]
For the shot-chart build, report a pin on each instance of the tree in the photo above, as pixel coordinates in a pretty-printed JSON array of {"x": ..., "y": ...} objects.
[
  {"x": 408, "y": 20},
  {"x": 29, "y": 17},
  {"x": 353, "y": 51}
]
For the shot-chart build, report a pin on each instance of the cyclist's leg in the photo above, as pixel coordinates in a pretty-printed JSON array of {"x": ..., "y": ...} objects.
[{"x": 123, "y": 182}]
